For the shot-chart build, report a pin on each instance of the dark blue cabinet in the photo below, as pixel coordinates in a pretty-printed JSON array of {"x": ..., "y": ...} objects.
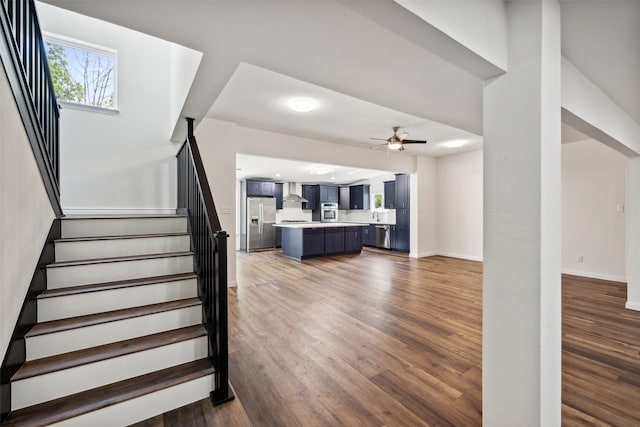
[
  {"x": 359, "y": 196},
  {"x": 402, "y": 191},
  {"x": 369, "y": 235},
  {"x": 402, "y": 231},
  {"x": 278, "y": 237},
  {"x": 303, "y": 243},
  {"x": 344, "y": 198},
  {"x": 333, "y": 240},
  {"x": 313, "y": 241},
  {"x": 277, "y": 193},
  {"x": 329, "y": 194},
  {"x": 310, "y": 192},
  {"x": 260, "y": 188},
  {"x": 389, "y": 194},
  {"x": 352, "y": 239}
]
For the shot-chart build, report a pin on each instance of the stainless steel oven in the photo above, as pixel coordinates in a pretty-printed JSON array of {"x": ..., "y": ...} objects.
[{"x": 329, "y": 212}]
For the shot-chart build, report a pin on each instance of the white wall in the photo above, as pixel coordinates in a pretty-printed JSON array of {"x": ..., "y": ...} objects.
[
  {"x": 122, "y": 162},
  {"x": 424, "y": 221},
  {"x": 459, "y": 205},
  {"x": 25, "y": 213},
  {"x": 593, "y": 187},
  {"x": 218, "y": 150}
]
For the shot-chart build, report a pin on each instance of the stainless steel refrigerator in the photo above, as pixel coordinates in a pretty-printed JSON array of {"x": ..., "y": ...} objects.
[{"x": 261, "y": 215}]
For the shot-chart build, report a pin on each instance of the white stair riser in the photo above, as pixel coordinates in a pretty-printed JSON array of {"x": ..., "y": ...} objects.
[
  {"x": 114, "y": 299},
  {"x": 73, "y": 275},
  {"x": 105, "y": 333},
  {"x": 42, "y": 388},
  {"x": 96, "y": 249},
  {"x": 144, "y": 407},
  {"x": 122, "y": 226}
]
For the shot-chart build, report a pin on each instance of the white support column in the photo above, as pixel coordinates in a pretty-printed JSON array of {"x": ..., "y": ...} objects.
[
  {"x": 633, "y": 234},
  {"x": 521, "y": 361}
]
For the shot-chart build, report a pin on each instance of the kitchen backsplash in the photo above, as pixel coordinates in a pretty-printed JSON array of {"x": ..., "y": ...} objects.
[
  {"x": 387, "y": 216},
  {"x": 292, "y": 211}
]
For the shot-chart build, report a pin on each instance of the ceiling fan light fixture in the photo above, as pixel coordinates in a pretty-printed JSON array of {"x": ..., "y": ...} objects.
[
  {"x": 302, "y": 105},
  {"x": 394, "y": 145}
]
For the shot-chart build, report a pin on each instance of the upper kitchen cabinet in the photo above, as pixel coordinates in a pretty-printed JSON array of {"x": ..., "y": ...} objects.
[
  {"x": 277, "y": 193},
  {"x": 389, "y": 194},
  {"x": 344, "y": 198},
  {"x": 260, "y": 188},
  {"x": 359, "y": 196},
  {"x": 311, "y": 193},
  {"x": 329, "y": 194},
  {"x": 402, "y": 191}
]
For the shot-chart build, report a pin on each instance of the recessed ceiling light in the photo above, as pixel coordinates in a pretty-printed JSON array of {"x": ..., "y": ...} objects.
[
  {"x": 333, "y": 178},
  {"x": 456, "y": 143},
  {"x": 277, "y": 175},
  {"x": 320, "y": 170},
  {"x": 302, "y": 105}
]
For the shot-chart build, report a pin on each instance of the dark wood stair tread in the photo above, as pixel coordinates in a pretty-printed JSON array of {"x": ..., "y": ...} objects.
[
  {"x": 118, "y": 284},
  {"x": 123, "y": 237},
  {"x": 118, "y": 259},
  {"x": 50, "y": 327},
  {"x": 76, "y": 358},
  {"x": 90, "y": 400}
]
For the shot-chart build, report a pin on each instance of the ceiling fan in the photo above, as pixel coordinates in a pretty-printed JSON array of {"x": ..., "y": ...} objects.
[{"x": 397, "y": 140}]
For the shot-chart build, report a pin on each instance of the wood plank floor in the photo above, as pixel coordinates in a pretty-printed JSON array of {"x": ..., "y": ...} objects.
[{"x": 380, "y": 340}]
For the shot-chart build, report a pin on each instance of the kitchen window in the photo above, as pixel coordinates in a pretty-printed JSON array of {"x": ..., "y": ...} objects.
[{"x": 83, "y": 74}]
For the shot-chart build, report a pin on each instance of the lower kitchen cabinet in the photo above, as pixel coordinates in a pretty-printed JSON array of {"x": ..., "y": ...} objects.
[
  {"x": 278, "y": 237},
  {"x": 369, "y": 235},
  {"x": 333, "y": 240},
  {"x": 352, "y": 239},
  {"x": 401, "y": 242},
  {"x": 302, "y": 243},
  {"x": 313, "y": 241}
]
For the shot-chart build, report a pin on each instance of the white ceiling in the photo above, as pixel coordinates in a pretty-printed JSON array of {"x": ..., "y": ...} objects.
[
  {"x": 249, "y": 166},
  {"x": 367, "y": 74},
  {"x": 258, "y": 98}
]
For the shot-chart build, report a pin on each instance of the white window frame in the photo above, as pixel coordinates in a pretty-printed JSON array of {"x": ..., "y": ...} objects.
[{"x": 93, "y": 48}]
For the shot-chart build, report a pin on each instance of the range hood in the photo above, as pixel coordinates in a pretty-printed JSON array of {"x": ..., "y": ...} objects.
[{"x": 292, "y": 196}]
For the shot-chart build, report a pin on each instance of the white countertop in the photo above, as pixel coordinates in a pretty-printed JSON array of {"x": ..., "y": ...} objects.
[{"x": 320, "y": 224}]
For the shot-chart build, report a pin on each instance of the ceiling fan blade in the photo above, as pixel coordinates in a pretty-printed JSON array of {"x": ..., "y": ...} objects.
[
  {"x": 380, "y": 139},
  {"x": 402, "y": 135},
  {"x": 413, "y": 141}
]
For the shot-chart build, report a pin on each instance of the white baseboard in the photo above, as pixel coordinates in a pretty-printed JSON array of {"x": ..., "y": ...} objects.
[
  {"x": 460, "y": 256},
  {"x": 233, "y": 284},
  {"x": 632, "y": 305},
  {"x": 118, "y": 211},
  {"x": 422, "y": 254},
  {"x": 594, "y": 275}
]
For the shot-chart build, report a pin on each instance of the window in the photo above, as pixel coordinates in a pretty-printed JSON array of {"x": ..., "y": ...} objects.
[{"x": 82, "y": 73}]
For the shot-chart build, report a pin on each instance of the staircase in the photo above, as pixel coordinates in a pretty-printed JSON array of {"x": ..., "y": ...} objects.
[{"x": 119, "y": 337}]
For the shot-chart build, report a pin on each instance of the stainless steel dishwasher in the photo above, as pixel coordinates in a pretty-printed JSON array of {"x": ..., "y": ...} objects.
[{"x": 383, "y": 236}]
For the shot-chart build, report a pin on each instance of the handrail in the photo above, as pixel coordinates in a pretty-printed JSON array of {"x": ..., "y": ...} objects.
[
  {"x": 210, "y": 248},
  {"x": 25, "y": 61}
]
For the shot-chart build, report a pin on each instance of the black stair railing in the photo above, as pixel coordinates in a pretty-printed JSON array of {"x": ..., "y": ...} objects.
[
  {"x": 24, "y": 58},
  {"x": 210, "y": 248}
]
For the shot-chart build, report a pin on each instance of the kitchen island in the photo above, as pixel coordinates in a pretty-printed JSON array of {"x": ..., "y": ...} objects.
[{"x": 317, "y": 239}]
